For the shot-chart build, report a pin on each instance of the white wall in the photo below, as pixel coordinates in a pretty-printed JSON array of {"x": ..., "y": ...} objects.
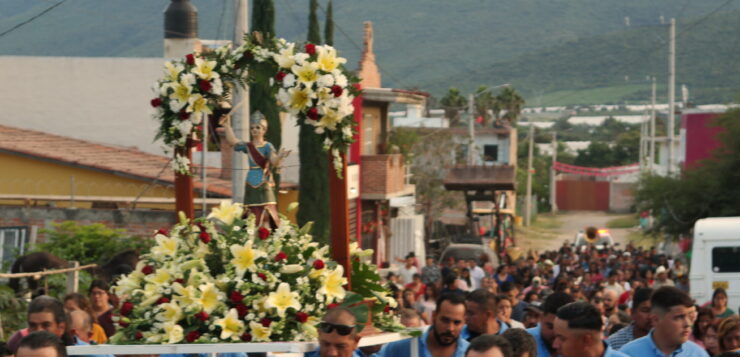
[{"x": 104, "y": 100}]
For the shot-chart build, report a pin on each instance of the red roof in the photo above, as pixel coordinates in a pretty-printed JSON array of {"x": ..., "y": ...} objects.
[{"x": 126, "y": 162}]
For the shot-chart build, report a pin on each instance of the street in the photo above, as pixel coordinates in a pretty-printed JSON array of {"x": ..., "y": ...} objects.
[{"x": 549, "y": 232}]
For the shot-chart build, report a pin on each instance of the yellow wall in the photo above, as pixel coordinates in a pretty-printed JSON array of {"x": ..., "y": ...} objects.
[{"x": 21, "y": 175}]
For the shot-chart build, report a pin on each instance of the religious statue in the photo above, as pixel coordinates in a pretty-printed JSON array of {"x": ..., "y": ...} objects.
[{"x": 259, "y": 187}]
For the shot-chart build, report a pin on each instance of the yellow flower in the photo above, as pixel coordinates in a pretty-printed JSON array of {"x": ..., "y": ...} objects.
[
  {"x": 227, "y": 212},
  {"x": 331, "y": 286},
  {"x": 185, "y": 295},
  {"x": 198, "y": 104},
  {"x": 316, "y": 273},
  {"x": 306, "y": 73},
  {"x": 244, "y": 257},
  {"x": 330, "y": 120},
  {"x": 300, "y": 98},
  {"x": 204, "y": 69},
  {"x": 259, "y": 332},
  {"x": 160, "y": 277},
  {"x": 173, "y": 333},
  {"x": 328, "y": 60},
  {"x": 291, "y": 268},
  {"x": 230, "y": 325},
  {"x": 172, "y": 71},
  {"x": 309, "y": 327},
  {"x": 172, "y": 313},
  {"x": 209, "y": 297},
  {"x": 282, "y": 299},
  {"x": 285, "y": 58},
  {"x": 355, "y": 250},
  {"x": 259, "y": 304},
  {"x": 181, "y": 91},
  {"x": 165, "y": 245}
]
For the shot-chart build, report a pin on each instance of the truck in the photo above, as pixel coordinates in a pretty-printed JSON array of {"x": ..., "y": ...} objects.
[{"x": 715, "y": 259}]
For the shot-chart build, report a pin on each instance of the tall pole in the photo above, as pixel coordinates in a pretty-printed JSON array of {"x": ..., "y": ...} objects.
[
  {"x": 205, "y": 123},
  {"x": 643, "y": 140},
  {"x": 553, "y": 173},
  {"x": 471, "y": 129},
  {"x": 528, "y": 205},
  {"x": 240, "y": 116},
  {"x": 652, "y": 129},
  {"x": 671, "y": 95}
]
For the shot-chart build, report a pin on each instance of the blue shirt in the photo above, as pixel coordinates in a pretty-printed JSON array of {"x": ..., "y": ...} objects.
[
  {"x": 610, "y": 352},
  {"x": 356, "y": 353},
  {"x": 542, "y": 350},
  {"x": 79, "y": 342},
  {"x": 645, "y": 346},
  {"x": 465, "y": 333},
  {"x": 403, "y": 348}
]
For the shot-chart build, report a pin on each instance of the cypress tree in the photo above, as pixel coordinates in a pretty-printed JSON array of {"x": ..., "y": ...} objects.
[
  {"x": 260, "y": 93},
  {"x": 329, "y": 25},
  {"x": 313, "y": 194}
]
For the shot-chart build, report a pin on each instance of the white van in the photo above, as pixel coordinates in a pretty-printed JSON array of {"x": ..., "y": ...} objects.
[{"x": 715, "y": 259}]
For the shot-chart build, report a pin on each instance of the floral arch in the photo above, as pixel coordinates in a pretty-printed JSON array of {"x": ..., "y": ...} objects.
[{"x": 309, "y": 82}]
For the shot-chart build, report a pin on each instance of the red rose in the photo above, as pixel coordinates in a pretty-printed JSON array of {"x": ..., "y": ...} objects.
[
  {"x": 205, "y": 85},
  {"x": 204, "y": 237},
  {"x": 147, "y": 269},
  {"x": 156, "y": 102},
  {"x": 313, "y": 113},
  {"x": 266, "y": 322},
  {"x": 280, "y": 76},
  {"x": 202, "y": 316},
  {"x": 302, "y": 317},
  {"x": 248, "y": 55},
  {"x": 181, "y": 281},
  {"x": 318, "y": 264},
  {"x": 163, "y": 300},
  {"x": 138, "y": 335},
  {"x": 163, "y": 232},
  {"x": 264, "y": 233},
  {"x": 331, "y": 306},
  {"x": 190, "y": 59},
  {"x": 192, "y": 336},
  {"x": 126, "y": 308},
  {"x": 387, "y": 309},
  {"x": 281, "y": 256},
  {"x": 246, "y": 337},
  {"x": 310, "y": 49},
  {"x": 184, "y": 116},
  {"x": 236, "y": 297},
  {"x": 262, "y": 276},
  {"x": 242, "y": 310},
  {"x": 337, "y": 90},
  {"x": 123, "y": 324}
]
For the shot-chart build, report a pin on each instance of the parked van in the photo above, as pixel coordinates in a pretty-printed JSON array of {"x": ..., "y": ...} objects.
[{"x": 715, "y": 259}]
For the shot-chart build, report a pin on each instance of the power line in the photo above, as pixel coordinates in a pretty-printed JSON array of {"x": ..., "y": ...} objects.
[{"x": 31, "y": 19}]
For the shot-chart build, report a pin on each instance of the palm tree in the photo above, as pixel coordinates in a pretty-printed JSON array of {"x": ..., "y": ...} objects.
[
  {"x": 484, "y": 101},
  {"x": 453, "y": 103},
  {"x": 510, "y": 101}
]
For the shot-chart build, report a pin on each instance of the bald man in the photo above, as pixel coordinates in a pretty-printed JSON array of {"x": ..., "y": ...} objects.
[
  {"x": 81, "y": 325},
  {"x": 338, "y": 336}
]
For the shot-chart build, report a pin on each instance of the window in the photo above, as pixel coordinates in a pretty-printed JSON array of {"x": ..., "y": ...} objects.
[
  {"x": 724, "y": 259},
  {"x": 490, "y": 152},
  {"x": 13, "y": 240}
]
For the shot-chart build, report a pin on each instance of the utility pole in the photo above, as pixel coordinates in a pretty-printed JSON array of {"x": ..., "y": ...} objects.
[
  {"x": 671, "y": 95},
  {"x": 240, "y": 116},
  {"x": 652, "y": 129},
  {"x": 643, "y": 140},
  {"x": 553, "y": 173},
  {"x": 528, "y": 205},
  {"x": 471, "y": 129}
]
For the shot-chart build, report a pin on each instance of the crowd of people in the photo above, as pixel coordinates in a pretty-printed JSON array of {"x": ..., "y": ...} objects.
[{"x": 570, "y": 302}]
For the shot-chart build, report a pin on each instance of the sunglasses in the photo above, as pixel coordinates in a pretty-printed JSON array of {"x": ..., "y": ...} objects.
[{"x": 342, "y": 330}]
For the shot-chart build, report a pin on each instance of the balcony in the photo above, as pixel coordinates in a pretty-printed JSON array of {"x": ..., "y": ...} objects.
[{"x": 383, "y": 177}]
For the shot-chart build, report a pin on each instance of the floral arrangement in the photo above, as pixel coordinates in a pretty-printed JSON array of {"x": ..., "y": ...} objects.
[
  {"x": 310, "y": 82},
  {"x": 223, "y": 279}
]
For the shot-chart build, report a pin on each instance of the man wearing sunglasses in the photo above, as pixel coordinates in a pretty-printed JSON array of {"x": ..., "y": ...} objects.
[
  {"x": 443, "y": 338},
  {"x": 337, "y": 335}
]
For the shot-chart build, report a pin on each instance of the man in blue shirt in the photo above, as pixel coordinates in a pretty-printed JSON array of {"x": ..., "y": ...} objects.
[
  {"x": 673, "y": 313},
  {"x": 480, "y": 315},
  {"x": 544, "y": 334},
  {"x": 443, "y": 338},
  {"x": 338, "y": 336},
  {"x": 641, "y": 323},
  {"x": 578, "y": 332}
]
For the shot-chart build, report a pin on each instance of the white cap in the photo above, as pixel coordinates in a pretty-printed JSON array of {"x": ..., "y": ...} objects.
[{"x": 661, "y": 269}]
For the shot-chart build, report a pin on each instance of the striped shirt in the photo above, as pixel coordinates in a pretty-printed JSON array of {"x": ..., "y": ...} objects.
[{"x": 621, "y": 337}]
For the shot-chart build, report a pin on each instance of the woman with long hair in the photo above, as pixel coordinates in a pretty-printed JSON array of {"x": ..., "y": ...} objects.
[
  {"x": 719, "y": 304},
  {"x": 728, "y": 334}
]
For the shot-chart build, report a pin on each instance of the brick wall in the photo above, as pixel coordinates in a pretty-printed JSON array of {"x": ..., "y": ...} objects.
[
  {"x": 382, "y": 174},
  {"x": 136, "y": 223}
]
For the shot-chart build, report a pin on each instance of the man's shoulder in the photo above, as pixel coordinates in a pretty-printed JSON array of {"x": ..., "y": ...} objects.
[
  {"x": 622, "y": 333},
  {"x": 693, "y": 349},
  {"x": 636, "y": 345}
]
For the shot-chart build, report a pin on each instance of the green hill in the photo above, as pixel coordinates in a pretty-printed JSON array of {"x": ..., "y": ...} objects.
[{"x": 427, "y": 44}]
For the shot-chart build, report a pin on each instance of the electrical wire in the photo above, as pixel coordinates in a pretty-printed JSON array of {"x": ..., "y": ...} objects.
[{"x": 42, "y": 13}]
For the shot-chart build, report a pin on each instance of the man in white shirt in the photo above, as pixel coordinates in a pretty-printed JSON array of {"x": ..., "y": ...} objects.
[
  {"x": 407, "y": 271},
  {"x": 476, "y": 274}
]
